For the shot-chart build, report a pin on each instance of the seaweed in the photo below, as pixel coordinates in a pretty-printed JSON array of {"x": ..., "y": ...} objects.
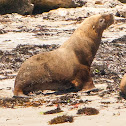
[
  {"x": 57, "y": 110},
  {"x": 25, "y": 102},
  {"x": 88, "y": 111},
  {"x": 61, "y": 119}
]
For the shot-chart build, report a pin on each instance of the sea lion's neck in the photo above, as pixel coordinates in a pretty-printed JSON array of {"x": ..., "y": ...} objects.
[
  {"x": 91, "y": 32},
  {"x": 85, "y": 45}
]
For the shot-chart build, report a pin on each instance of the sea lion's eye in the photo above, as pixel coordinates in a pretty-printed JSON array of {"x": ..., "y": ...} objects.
[{"x": 101, "y": 20}]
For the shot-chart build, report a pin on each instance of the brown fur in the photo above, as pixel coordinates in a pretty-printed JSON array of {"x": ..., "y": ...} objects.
[
  {"x": 67, "y": 66},
  {"x": 123, "y": 85}
]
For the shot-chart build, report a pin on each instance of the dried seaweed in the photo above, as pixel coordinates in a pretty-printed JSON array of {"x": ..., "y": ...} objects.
[
  {"x": 57, "y": 110},
  {"x": 61, "y": 119},
  {"x": 88, "y": 111},
  {"x": 25, "y": 102}
]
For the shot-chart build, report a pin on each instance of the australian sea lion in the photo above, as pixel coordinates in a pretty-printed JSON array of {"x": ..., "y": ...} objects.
[
  {"x": 67, "y": 66},
  {"x": 123, "y": 85}
]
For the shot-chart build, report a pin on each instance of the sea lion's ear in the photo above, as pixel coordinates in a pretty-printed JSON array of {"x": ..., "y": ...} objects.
[{"x": 93, "y": 27}]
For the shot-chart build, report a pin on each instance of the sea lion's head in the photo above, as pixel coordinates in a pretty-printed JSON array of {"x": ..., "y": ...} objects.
[
  {"x": 104, "y": 21},
  {"x": 99, "y": 22}
]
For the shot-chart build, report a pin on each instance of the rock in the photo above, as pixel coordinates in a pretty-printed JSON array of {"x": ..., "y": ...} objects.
[
  {"x": 46, "y": 5},
  {"x": 98, "y": 2},
  {"x": 123, "y": 1},
  {"x": 111, "y": 3},
  {"x": 121, "y": 11},
  {"x": 16, "y": 6},
  {"x": 89, "y": 8},
  {"x": 67, "y": 14}
]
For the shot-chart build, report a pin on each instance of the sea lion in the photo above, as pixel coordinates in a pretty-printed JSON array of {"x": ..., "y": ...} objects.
[
  {"x": 123, "y": 85},
  {"x": 67, "y": 66},
  {"x": 46, "y": 5}
]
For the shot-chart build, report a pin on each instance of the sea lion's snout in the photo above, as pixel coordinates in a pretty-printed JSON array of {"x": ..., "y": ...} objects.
[{"x": 109, "y": 18}]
